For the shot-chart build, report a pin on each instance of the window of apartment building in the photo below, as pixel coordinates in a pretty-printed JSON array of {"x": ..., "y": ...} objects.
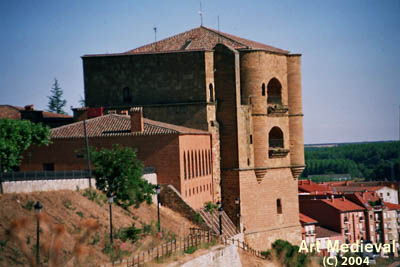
[
  {"x": 388, "y": 194},
  {"x": 279, "y": 206},
  {"x": 251, "y": 139}
]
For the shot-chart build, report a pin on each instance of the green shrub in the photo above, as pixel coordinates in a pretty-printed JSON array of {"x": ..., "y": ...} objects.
[
  {"x": 128, "y": 233},
  {"x": 29, "y": 205},
  {"x": 198, "y": 218},
  {"x": 80, "y": 214},
  {"x": 191, "y": 250},
  {"x": 210, "y": 207}
]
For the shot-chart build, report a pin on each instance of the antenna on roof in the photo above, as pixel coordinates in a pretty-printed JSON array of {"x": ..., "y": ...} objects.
[
  {"x": 201, "y": 15},
  {"x": 155, "y": 34}
]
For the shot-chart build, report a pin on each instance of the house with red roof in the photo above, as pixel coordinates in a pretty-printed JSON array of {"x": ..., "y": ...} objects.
[
  {"x": 375, "y": 215},
  {"x": 180, "y": 156},
  {"x": 28, "y": 112},
  {"x": 309, "y": 187},
  {"x": 308, "y": 228},
  {"x": 338, "y": 214}
]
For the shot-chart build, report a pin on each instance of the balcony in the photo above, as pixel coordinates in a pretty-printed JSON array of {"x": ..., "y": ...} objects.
[
  {"x": 361, "y": 218},
  {"x": 346, "y": 232},
  {"x": 277, "y": 110},
  {"x": 276, "y": 149},
  {"x": 346, "y": 220}
]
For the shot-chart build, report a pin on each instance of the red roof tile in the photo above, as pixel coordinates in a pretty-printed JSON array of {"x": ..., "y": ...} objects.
[
  {"x": 313, "y": 188},
  {"x": 10, "y": 112},
  {"x": 116, "y": 125},
  {"x": 200, "y": 38},
  {"x": 392, "y": 206},
  {"x": 306, "y": 220},
  {"x": 363, "y": 199},
  {"x": 341, "y": 204},
  {"x": 55, "y": 115}
]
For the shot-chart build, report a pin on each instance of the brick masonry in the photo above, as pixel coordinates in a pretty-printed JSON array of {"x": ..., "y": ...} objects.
[{"x": 226, "y": 90}]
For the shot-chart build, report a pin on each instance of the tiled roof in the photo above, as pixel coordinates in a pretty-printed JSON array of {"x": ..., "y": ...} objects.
[
  {"x": 313, "y": 188},
  {"x": 323, "y": 232},
  {"x": 117, "y": 125},
  {"x": 55, "y": 115},
  {"x": 341, "y": 204},
  {"x": 392, "y": 206},
  {"x": 306, "y": 220},
  {"x": 363, "y": 198},
  {"x": 356, "y": 188},
  {"x": 200, "y": 38},
  {"x": 10, "y": 112}
]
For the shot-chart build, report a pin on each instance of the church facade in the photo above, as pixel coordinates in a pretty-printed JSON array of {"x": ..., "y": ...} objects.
[{"x": 246, "y": 94}]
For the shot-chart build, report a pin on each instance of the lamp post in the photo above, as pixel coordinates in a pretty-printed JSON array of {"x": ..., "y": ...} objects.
[
  {"x": 158, "y": 189},
  {"x": 110, "y": 201},
  {"x": 38, "y": 208},
  {"x": 220, "y": 220},
  {"x": 237, "y": 202}
]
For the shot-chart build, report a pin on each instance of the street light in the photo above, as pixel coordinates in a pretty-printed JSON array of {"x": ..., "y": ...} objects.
[
  {"x": 110, "y": 201},
  {"x": 237, "y": 202},
  {"x": 38, "y": 208},
  {"x": 158, "y": 189},
  {"x": 220, "y": 210}
]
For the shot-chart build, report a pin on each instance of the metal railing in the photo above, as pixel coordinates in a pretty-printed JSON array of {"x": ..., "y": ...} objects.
[
  {"x": 51, "y": 175},
  {"x": 43, "y": 175},
  {"x": 276, "y": 143}
]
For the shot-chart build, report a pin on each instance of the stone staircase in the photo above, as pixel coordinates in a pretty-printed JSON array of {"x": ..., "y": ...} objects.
[{"x": 212, "y": 220}]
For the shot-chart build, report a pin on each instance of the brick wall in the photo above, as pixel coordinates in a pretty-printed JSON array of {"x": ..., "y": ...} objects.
[
  {"x": 151, "y": 79},
  {"x": 172, "y": 199}
]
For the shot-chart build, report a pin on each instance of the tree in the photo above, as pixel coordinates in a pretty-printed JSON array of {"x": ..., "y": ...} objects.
[
  {"x": 118, "y": 171},
  {"x": 56, "y": 103},
  {"x": 16, "y": 136}
]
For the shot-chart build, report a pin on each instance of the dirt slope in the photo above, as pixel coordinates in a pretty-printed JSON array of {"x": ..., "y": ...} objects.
[{"x": 67, "y": 215}]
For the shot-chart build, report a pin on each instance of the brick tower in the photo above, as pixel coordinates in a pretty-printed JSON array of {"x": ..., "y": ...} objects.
[{"x": 246, "y": 94}]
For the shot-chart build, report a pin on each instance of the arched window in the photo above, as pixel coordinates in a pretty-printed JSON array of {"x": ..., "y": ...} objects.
[
  {"x": 274, "y": 89},
  {"x": 126, "y": 94},
  {"x": 275, "y": 138},
  {"x": 263, "y": 89},
  {"x": 211, "y": 92},
  {"x": 279, "y": 206}
]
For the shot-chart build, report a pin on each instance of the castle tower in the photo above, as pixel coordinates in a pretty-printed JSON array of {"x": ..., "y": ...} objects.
[
  {"x": 246, "y": 94},
  {"x": 295, "y": 115}
]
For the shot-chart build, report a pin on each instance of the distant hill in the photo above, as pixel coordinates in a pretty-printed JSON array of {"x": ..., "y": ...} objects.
[
  {"x": 345, "y": 143},
  {"x": 370, "y": 160}
]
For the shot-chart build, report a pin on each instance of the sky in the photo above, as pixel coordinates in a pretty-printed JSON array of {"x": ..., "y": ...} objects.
[{"x": 350, "y": 57}]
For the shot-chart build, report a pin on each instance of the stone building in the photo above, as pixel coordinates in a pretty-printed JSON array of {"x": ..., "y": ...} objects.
[
  {"x": 246, "y": 94},
  {"x": 159, "y": 145}
]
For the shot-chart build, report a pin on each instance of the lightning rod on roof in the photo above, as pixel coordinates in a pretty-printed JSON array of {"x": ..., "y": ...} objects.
[
  {"x": 155, "y": 34},
  {"x": 201, "y": 15}
]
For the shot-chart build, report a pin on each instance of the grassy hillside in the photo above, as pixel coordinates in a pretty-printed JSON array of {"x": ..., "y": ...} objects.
[{"x": 76, "y": 224}]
